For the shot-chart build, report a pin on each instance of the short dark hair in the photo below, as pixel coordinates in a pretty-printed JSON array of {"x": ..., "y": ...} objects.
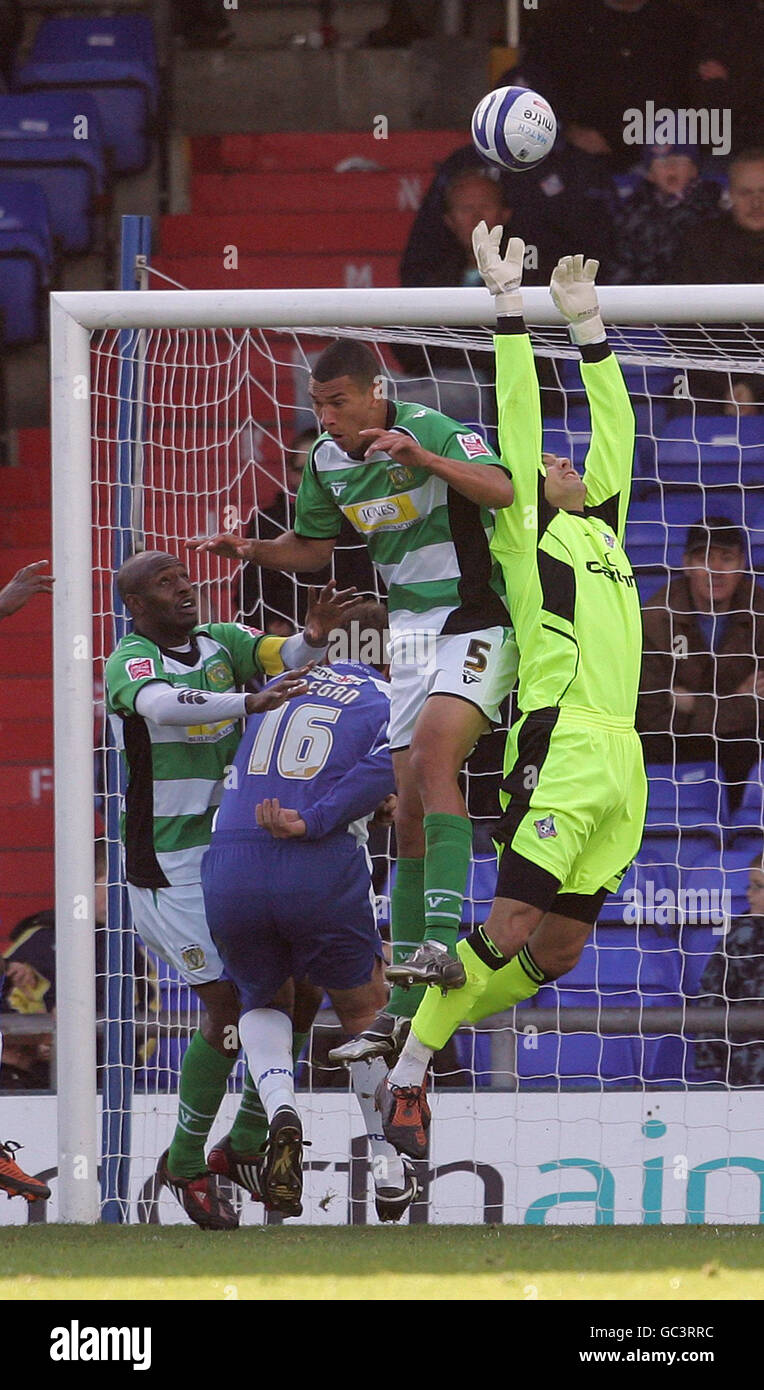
[
  {"x": 714, "y": 530},
  {"x": 138, "y": 569},
  {"x": 347, "y": 357}
]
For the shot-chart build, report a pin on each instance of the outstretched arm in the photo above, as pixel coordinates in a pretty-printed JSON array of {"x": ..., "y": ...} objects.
[
  {"x": 610, "y": 456},
  {"x": 517, "y": 389},
  {"x": 289, "y": 552}
]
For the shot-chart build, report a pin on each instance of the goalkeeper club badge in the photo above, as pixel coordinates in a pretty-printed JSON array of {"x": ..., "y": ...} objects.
[
  {"x": 608, "y": 539},
  {"x": 140, "y": 668},
  {"x": 219, "y": 676},
  {"x": 193, "y": 957},
  {"x": 473, "y": 445},
  {"x": 399, "y": 475},
  {"x": 546, "y": 828}
]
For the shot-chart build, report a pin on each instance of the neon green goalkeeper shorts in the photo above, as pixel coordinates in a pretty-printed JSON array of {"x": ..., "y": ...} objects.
[{"x": 574, "y": 797}]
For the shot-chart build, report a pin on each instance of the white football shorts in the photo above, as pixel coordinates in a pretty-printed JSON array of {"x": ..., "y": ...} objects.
[
  {"x": 172, "y": 923},
  {"x": 480, "y": 667}
]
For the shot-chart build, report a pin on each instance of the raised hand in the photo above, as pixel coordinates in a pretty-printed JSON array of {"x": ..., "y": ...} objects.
[
  {"x": 326, "y": 610},
  {"x": 503, "y": 275},
  {"x": 226, "y": 543},
  {"x": 575, "y": 295},
  {"x": 289, "y": 687},
  {"x": 26, "y": 582}
]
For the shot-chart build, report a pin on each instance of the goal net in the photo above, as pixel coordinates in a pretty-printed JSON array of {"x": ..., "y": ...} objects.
[{"x": 194, "y": 425}]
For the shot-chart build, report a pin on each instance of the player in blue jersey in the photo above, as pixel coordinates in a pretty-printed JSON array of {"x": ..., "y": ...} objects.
[{"x": 288, "y": 895}]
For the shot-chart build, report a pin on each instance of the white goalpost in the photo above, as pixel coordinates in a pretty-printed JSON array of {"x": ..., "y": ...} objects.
[{"x": 173, "y": 453}]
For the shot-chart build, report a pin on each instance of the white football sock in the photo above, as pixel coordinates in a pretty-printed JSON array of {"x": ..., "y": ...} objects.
[
  {"x": 266, "y": 1036},
  {"x": 386, "y": 1164},
  {"x": 411, "y": 1067}
]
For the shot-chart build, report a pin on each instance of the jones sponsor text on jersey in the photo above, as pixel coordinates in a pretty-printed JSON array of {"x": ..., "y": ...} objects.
[{"x": 392, "y": 513}]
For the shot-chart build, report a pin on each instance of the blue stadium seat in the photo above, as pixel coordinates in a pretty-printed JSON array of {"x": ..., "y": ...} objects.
[
  {"x": 39, "y": 143},
  {"x": 685, "y": 795},
  {"x": 657, "y": 528},
  {"x": 749, "y": 815},
  {"x": 717, "y": 450},
  {"x": 583, "y": 1061},
  {"x": 113, "y": 59},
  {"x": 26, "y": 258}
]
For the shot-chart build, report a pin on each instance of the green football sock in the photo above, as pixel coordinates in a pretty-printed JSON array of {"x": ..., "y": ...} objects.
[
  {"x": 439, "y": 1015},
  {"x": 446, "y": 864},
  {"x": 406, "y": 929},
  {"x": 203, "y": 1078},
  {"x": 250, "y": 1128},
  {"x": 519, "y": 980}
]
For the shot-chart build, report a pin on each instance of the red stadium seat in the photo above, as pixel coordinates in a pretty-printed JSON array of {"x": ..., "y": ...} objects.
[{"x": 188, "y": 234}]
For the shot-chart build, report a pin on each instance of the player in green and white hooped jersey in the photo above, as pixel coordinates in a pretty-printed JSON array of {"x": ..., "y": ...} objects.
[
  {"x": 175, "y": 701},
  {"x": 420, "y": 489},
  {"x": 575, "y": 791}
]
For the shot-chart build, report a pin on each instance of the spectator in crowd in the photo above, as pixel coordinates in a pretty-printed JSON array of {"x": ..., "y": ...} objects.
[
  {"x": 728, "y": 48},
  {"x": 595, "y": 59},
  {"x": 734, "y": 975},
  {"x": 729, "y": 247},
  {"x": 29, "y": 986},
  {"x": 670, "y": 199},
  {"x": 702, "y": 692},
  {"x": 276, "y": 602}
]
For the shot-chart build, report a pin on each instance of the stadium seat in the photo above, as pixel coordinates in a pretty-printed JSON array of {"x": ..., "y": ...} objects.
[
  {"x": 114, "y": 60},
  {"x": 749, "y": 815},
  {"x": 717, "y": 450},
  {"x": 684, "y": 795},
  {"x": 26, "y": 257},
  {"x": 657, "y": 527},
  {"x": 38, "y": 143}
]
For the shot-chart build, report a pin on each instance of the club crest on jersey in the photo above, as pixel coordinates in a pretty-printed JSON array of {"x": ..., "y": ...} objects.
[
  {"x": 399, "y": 475},
  {"x": 473, "y": 444},
  {"x": 140, "y": 667},
  {"x": 608, "y": 539},
  {"x": 193, "y": 957},
  {"x": 546, "y": 828},
  {"x": 337, "y": 489},
  {"x": 219, "y": 676}
]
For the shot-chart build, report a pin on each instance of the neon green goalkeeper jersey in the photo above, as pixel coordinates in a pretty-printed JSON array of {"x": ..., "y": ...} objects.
[
  {"x": 429, "y": 544},
  {"x": 572, "y": 594}
]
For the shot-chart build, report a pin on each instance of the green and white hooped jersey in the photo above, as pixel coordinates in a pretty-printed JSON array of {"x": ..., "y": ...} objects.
[
  {"x": 429, "y": 544},
  {"x": 175, "y": 773}
]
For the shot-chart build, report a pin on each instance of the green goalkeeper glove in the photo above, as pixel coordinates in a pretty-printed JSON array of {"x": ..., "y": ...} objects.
[
  {"x": 503, "y": 275},
  {"x": 574, "y": 293}
]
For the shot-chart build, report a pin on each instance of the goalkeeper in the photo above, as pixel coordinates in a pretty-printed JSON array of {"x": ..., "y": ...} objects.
[{"x": 574, "y": 791}]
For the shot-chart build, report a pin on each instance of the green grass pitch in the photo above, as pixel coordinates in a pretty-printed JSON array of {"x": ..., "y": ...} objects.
[{"x": 516, "y": 1263}]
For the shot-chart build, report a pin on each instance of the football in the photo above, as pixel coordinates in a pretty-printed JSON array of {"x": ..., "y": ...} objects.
[{"x": 513, "y": 128}]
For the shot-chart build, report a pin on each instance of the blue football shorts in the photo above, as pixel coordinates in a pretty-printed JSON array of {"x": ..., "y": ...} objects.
[{"x": 290, "y": 908}]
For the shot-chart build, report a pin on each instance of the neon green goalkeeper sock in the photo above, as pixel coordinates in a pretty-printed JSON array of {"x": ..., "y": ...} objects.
[
  {"x": 406, "y": 930},
  {"x": 519, "y": 980},
  {"x": 203, "y": 1078},
  {"x": 446, "y": 864},
  {"x": 250, "y": 1128}
]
